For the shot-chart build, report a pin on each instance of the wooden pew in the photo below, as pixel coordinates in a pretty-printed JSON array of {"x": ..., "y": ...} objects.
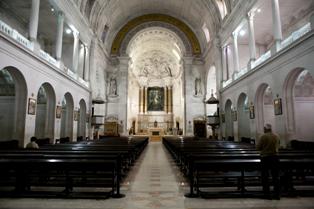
[
  {"x": 60, "y": 164},
  {"x": 60, "y": 172},
  {"x": 209, "y": 166}
]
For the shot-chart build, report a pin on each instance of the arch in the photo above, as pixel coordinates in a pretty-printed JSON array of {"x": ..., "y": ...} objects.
[
  {"x": 45, "y": 112},
  {"x": 298, "y": 105},
  {"x": 152, "y": 20},
  {"x": 243, "y": 116},
  {"x": 15, "y": 122},
  {"x": 81, "y": 125},
  {"x": 211, "y": 88},
  {"x": 228, "y": 119},
  {"x": 289, "y": 97},
  {"x": 263, "y": 112},
  {"x": 67, "y": 116}
]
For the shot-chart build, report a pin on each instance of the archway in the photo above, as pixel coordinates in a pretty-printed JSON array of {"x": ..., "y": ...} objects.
[
  {"x": 228, "y": 120},
  {"x": 45, "y": 112},
  {"x": 155, "y": 90},
  {"x": 299, "y": 97},
  {"x": 13, "y": 94},
  {"x": 264, "y": 107},
  {"x": 243, "y": 117},
  {"x": 211, "y": 93},
  {"x": 81, "y": 124},
  {"x": 67, "y": 116}
]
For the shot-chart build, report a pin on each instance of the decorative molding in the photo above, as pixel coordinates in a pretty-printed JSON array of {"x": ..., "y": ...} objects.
[{"x": 152, "y": 19}]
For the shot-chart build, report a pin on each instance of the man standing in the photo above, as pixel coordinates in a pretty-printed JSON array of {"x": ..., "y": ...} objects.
[{"x": 268, "y": 146}]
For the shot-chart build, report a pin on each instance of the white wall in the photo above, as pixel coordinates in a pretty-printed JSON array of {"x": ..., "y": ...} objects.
[
  {"x": 40, "y": 121},
  {"x": 36, "y": 73},
  {"x": 304, "y": 118},
  {"x": 7, "y": 104},
  {"x": 273, "y": 72}
]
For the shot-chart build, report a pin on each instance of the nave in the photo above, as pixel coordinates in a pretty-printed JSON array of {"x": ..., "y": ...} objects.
[{"x": 156, "y": 182}]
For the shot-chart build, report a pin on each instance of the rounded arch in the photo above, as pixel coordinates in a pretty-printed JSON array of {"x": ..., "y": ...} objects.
[
  {"x": 151, "y": 20},
  {"x": 264, "y": 108},
  {"x": 45, "y": 112},
  {"x": 243, "y": 116},
  {"x": 15, "y": 122},
  {"x": 228, "y": 120},
  {"x": 211, "y": 88},
  {"x": 81, "y": 125},
  {"x": 298, "y": 99},
  {"x": 67, "y": 116},
  {"x": 211, "y": 80},
  {"x": 289, "y": 97}
]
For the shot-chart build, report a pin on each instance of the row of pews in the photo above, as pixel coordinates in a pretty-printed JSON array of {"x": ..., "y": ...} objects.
[
  {"x": 75, "y": 169},
  {"x": 232, "y": 169}
]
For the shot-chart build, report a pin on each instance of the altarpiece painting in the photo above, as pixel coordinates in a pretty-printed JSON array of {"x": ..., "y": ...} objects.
[{"x": 155, "y": 99}]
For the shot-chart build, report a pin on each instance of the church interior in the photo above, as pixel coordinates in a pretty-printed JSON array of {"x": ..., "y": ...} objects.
[{"x": 156, "y": 104}]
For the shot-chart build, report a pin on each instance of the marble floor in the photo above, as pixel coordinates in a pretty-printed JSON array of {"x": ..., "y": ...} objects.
[{"x": 156, "y": 182}]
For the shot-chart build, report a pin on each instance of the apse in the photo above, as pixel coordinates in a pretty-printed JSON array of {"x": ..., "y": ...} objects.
[{"x": 155, "y": 88}]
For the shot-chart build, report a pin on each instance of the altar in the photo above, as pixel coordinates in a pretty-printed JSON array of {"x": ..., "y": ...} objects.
[{"x": 155, "y": 134}]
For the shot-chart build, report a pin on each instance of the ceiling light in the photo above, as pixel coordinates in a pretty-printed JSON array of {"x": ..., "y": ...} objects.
[
  {"x": 242, "y": 32},
  {"x": 259, "y": 10},
  {"x": 68, "y": 31},
  {"x": 52, "y": 9}
]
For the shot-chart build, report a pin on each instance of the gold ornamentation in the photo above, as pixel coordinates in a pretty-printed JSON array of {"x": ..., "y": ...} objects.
[{"x": 196, "y": 49}]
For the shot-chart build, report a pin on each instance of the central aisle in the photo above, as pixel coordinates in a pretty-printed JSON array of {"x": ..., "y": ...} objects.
[{"x": 154, "y": 181}]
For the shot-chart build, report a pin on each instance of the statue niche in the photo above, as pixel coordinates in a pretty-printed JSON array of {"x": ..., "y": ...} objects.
[{"x": 113, "y": 87}]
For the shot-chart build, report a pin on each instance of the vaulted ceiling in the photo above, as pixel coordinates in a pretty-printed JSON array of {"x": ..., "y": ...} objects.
[{"x": 116, "y": 13}]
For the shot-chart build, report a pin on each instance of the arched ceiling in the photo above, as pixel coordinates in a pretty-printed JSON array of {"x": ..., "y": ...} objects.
[
  {"x": 147, "y": 21},
  {"x": 116, "y": 13},
  {"x": 155, "y": 56}
]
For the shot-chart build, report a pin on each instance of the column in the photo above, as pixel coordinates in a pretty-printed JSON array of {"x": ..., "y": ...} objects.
[
  {"x": 170, "y": 109},
  {"x": 145, "y": 100},
  {"x": 171, "y": 99},
  {"x": 276, "y": 23},
  {"x": 33, "y": 22},
  {"x": 122, "y": 82},
  {"x": 60, "y": 25},
  {"x": 86, "y": 64},
  {"x": 224, "y": 64},
  {"x": 141, "y": 99},
  {"x": 235, "y": 53},
  {"x": 166, "y": 99},
  {"x": 250, "y": 19},
  {"x": 75, "y": 51},
  {"x": 187, "y": 83}
]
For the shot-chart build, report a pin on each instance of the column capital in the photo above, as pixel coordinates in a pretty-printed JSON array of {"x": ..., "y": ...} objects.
[
  {"x": 250, "y": 15},
  {"x": 124, "y": 60},
  {"x": 235, "y": 35},
  {"x": 75, "y": 34},
  {"x": 188, "y": 60},
  {"x": 60, "y": 14}
]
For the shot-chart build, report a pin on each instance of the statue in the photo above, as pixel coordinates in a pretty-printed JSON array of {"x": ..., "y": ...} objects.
[
  {"x": 198, "y": 86},
  {"x": 113, "y": 87}
]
